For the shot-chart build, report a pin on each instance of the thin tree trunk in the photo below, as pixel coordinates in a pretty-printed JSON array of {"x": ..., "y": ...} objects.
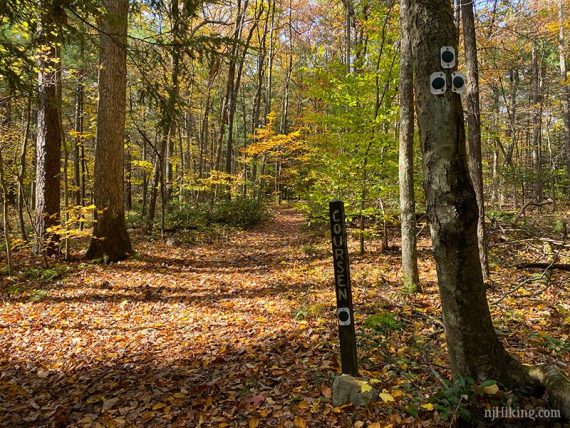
[
  {"x": 145, "y": 181},
  {"x": 497, "y": 188},
  {"x": 285, "y": 112},
  {"x": 536, "y": 98},
  {"x": 269, "y": 83},
  {"x": 474, "y": 126},
  {"x": 262, "y": 40},
  {"x": 83, "y": 176},
  {"x": 170, "y": 113},
  {"x": 156, "y": 182},
  {"x": 65, "y": 198},
  {"x": 227, "y": 107},
  {"x": 79, "y": 140},
  {"x": 236, "y": 86},
  {"x": 406, "y": 154},
  {"x": 128, "y": 176},
  {"x": 565, "y": 88},
  {"x": 188, "y": 122},
  {"x": 5, "y": 215},
  {"x": 205, "y": 125},
  {"x": 349, "y": 16},
  {"x": 22, "y": 172},
  {"x": 509, "y": 164}
]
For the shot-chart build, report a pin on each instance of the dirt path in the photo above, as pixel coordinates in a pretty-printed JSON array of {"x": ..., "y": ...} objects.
[
  {"x": 182, "y": 336},
  {"x": 241, "y": 331}
]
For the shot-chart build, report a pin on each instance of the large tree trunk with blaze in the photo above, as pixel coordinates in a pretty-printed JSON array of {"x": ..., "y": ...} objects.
[
  {"x": 406, "y": 157},
  {"x": 473, "y": 346},
  {"x": 48, "y": 142},
  {"x": 111, "y": 240}
]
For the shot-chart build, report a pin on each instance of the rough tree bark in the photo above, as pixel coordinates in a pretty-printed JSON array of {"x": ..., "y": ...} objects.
[
  {"x": 227, "y": 106},
  {"x": 270, "y": 59},
  {"x": 169, "y": 117},
  {"x": 22, "y": 171},
  {"x": 235, "y": 88},
  {"x": 565, "y": 87},
  {"x": 406, "y": 156},
  {"x": 474, "y": 125},
  {"x": 79, "y": 139},
  {"x": 111, "y": 240},
  {"x": 48, "y": 142},
  {"x": 5, "y": 217},
  {"x": 537, "y": 101},
  {"x": 473, "y": 346}
]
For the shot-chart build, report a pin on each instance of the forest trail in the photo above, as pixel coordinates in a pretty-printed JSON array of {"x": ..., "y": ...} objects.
[
  {"x": 180, "y": 335},
  {"x": 239, "y": 330}
]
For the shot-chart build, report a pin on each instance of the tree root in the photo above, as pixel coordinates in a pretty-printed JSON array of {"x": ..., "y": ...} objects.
[{"x": 557, "y": 386}]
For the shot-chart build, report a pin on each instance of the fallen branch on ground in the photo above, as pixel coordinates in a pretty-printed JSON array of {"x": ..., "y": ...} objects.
[
  {"x": 529, "y": 204},
  {"x": 559, "y": 266}
]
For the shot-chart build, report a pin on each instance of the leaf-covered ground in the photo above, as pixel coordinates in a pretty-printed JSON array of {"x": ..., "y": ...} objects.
[{"x": 240, "y": 331}]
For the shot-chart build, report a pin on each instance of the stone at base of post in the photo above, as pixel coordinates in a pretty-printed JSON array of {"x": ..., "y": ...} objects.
[{"x": 351, "y": 390}]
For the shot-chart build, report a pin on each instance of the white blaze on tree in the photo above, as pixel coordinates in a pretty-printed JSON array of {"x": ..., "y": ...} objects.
[{"x": 473, "y": 346}]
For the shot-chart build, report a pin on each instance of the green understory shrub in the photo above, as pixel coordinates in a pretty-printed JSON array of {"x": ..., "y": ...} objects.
[
  {"x": 239, "y": 212},
  {"x": 383, "y": 322}
]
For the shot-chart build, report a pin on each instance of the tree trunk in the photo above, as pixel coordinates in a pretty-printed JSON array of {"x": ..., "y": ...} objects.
[
  {"x": 22, "y": 172},
  {"x": 157, "y": 183},
  {"x": 565, "y": 88},
  {"x": 284, "y": 125},
  {"x": 111, "y": 240},
  {"x": 497, "y": 188},
  {"x": 144, "y": 181},
  {"x": 129, "y": 181},
  {"x": 79, "y": 140},
  {"x": 536, "y": 99},
  {"x": 235, "y": 87},
  {"x": 5, "y": 216},
  {"x": 65, "y": 195},
  {"x": 228, "y": 108},
  {"x": 349, "y": 16},
  {"x": 48, "y": 143},
  {"x": 474, "y": 349},
  {"x": 205, "y": 124},
  {"x": 269, "y": 83},
  {"x": 169, "y": 115},
  {"x": 474, "y": 126},
  {"x": 509, "y": 164},
  {"x": 406, "y": 154}
]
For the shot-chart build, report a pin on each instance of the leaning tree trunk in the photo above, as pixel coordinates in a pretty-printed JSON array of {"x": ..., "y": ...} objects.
[
  {"x": 406, "y": 158},
  {"x": 473, "y": 346},
  {"x": 111, "y": 240},
  {"x": 48, "y": 143},
  {"x": 474, "y": 126}
]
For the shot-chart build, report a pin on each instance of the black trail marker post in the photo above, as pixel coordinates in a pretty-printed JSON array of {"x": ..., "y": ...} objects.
[{"x": 345, "y": 312}]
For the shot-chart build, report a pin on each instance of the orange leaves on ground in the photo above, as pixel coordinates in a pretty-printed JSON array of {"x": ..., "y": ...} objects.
[{"x": 239, "y": 331}]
